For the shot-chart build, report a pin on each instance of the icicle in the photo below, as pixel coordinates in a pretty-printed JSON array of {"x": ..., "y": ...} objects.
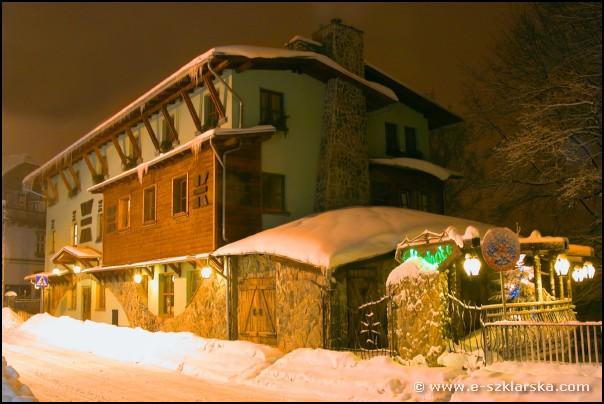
[
  {"x": 196, "y": 145},
  {"x": 194, "y": 74},
  {"x": 452, "y": 234},
  {"x": 142, "y": 170}
]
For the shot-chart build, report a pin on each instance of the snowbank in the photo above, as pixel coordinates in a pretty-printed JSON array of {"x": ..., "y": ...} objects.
[
  {"x": 412, "y": 268},
  {"x": 182, "y": 351},
  {"x": 341, "y": 376},
  {"x": 12, "y": 389},
  {"x": 10, "y": 320},
  {"x": 341, "y": 236}
]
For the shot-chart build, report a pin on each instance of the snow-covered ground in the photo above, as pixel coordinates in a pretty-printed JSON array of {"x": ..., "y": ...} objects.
[{"x": 66, "y": 359}]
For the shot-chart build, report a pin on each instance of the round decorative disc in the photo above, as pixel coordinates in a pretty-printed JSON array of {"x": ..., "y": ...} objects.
[{"x": 500, "y": 249}]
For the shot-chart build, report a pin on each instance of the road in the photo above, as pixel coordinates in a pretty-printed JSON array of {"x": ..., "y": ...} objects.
[{"x": 58, "y": 375}]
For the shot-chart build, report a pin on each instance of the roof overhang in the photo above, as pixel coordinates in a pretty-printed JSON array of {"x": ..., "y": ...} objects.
[
  {"x": 424, "y": 166},
  {"x": 76, "y": 254}
]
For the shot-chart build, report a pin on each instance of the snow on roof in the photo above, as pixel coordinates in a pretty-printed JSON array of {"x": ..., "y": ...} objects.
[
  {"x": 80, "y": 252},
  {"x": 337, "y": 237},
  {"x": 192, "y": 144},
  {"x": 536, "y": 237},
  {"x": 303, "y": 39},
  {"x": 170, "y": 260},
  {"x": 15, "y": 160},
  {"x": 418, "y": 165},
  {"x": 193, "y": 69},
  {"x": 408, "y": 269}
]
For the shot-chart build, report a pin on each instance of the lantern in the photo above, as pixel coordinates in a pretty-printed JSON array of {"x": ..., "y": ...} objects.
[
  {"x": 471, "y": 265},
  {"x": 77, "y": 269},
  {"x": 56, "y": 271},
  {"x": 590, "y": 271},
  {"x": 562, "y": 265},
  {"x": 138, "y": 278},
  {"x": 206, "y": 272}
]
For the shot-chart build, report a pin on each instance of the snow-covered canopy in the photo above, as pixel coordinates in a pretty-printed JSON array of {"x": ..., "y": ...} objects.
[
  {"x": 337, "y": 237},
  {"x": 418, "y": 165},
  {"x": 79, "y": 252}
]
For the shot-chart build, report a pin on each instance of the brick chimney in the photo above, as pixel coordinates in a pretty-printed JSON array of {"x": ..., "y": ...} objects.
[{"x": 343, "y": 178}]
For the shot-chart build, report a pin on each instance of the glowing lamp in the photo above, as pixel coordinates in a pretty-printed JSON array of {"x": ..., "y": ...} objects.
[
  {"x": 77, "y": 269},
  {"x": 578, "y": 274},
  {"x": 56, "y": 271},
  {"x": 590, "y": 271},
  {"x": 471, "y": 265},
  {"x": 561, "y": 266},
  {"x": 138, "y": 278},
  {"x": 173, "y": 278},
  {"x": 206, "y": 272}
]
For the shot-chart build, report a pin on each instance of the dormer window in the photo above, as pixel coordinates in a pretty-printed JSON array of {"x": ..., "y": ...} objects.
[{"x": 271, "y": 109}]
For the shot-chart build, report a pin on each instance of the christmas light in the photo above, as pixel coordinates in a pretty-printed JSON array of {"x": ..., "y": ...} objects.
[
  {"x": 206, "y": 272},
  {"x": 578, "y": 274},
  {"x": 56, "y": 271},
  {"x": 561, "y": 266},
  {"x": 138, "y": 278},
  {"x": 589, "y": 269},
  {"x": 471, "y": 265},
  {"x": 77, "y": 269}
]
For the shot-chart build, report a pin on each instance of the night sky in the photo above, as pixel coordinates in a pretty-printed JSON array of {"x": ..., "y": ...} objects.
[{"x": 67, "y": 67}]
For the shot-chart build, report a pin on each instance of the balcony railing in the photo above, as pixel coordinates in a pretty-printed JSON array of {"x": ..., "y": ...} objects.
[{"x": 24, "y": 201}]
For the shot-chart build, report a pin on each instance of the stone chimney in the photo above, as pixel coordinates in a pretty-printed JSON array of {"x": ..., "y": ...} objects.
[{"x": 343, "y": 178}]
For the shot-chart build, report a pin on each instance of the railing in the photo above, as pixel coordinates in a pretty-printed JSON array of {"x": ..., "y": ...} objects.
[
  {"x": 549, "y": 311},
  {"x": 31, "y": 306},
  {"x": 24, "y": 201},
  {"x": 566, "y": 342},
  {"x": 464, "y": 332}
]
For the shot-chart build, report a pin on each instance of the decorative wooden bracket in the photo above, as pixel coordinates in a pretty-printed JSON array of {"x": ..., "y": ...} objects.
[
  {"x": 70, "y": 189},
  {"x": 191, "y": 108},
  {"x": 176, "y": 268},
  {"x": 75, "y": 176},
  {"x": 89, "y": 165},
  {"x": 171, "y": 128},
  {"x": 148, "y": 271},
  {"x": 102, "y": 159},
  {"x": 119, "y": 150},
  {"x": 137, "y": 150},
  {"x": 151, "y": 133},
  {"x": 214, "y": 95}
]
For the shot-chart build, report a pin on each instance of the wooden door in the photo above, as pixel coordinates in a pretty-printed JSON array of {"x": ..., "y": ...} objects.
[
  {"x": 256, "y": 310},
  {"x": 86, "y": 303},
  {"x": 362, "y": 288}
]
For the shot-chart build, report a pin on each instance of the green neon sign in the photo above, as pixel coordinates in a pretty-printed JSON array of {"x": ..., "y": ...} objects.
[{"x": 436, "y": 258}]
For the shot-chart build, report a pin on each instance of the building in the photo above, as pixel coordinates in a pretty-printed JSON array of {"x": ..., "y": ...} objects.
[
  {"x": 240, "y": 139},
  {"x": 23, "y": 232}
]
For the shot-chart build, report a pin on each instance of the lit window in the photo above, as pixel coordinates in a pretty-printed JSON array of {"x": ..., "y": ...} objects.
[
  {"x": 123, "y": 212},
  {"x": 74, "y": 233},
  {"x": 179, "y": 195},
  {"x": 149, "y": 204},
  {"x": 167, "y": 294}
]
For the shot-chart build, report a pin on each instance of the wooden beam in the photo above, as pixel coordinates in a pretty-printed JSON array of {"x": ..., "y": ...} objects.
[
  {"x": 137, "y": 150},
  {"x": 102, "y": 159},
  {"x": 214, "y": 96},
  {"x": 191, "y": 108},
  {"x": 151, "y": 132},
  {"x": 64, "y": 178},
  {"x": 244, "y": 66},
  {"x": 75, "y": 176},
  {"x": 89, "y": 165},
  {"x": 117, "y": 146},
  {"x": 171, "y": 128},
  {"x": 52, "y": 187}
]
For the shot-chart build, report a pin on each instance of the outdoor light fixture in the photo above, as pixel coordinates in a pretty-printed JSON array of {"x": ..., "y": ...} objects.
[
  {"x": 561, "y": 266},
  {"x": 206, "y": 272},
  {"x": 590, "y": 271},
  {"x": 173, "y": 278},
  {"x": 56, "y": 271},
  {"x": 138, "y": 278},
  {"x": 471, "y": 265},
  {"x": 77, "y": 269}
]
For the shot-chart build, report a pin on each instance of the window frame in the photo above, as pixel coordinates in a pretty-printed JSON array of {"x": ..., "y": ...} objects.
[
  {"x": 186, "y": 212},
  {"x": 119, "y": 213},
  {"x": 165, "y": 277},
  {"x": 396, "y": 151},
  {"x": 272, "y": 210},
  {"x": 408, "y": 131},
  {"x": 40, "y": 243},
  {"x": 100, "y": 291},
  {"x": 281, "y": 124},
  {"x": 154, "y": 220}
]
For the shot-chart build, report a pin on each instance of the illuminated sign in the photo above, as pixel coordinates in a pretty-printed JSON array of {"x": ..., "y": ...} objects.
[{"x": 436, "y": 256}]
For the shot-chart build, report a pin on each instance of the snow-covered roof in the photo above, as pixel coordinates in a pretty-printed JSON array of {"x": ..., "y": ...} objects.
[
  {"x": 142, "y": 264},
  {"x": 193, "y": 69},
  {"x": 337, "y": 237},
  {"x": 418, "y": 165},
  {"x": 79, "y": 252},
  {"x": 304, "y": 39},
  {"x": 15, "y": 160},
  {"x": 192, "y": 144}
]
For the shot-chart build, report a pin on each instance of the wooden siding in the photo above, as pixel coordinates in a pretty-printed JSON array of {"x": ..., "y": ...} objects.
[{"x": 170, "y": 235}]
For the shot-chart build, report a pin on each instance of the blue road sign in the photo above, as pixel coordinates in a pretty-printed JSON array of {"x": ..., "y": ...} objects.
[{"x": 41, "y": 281}]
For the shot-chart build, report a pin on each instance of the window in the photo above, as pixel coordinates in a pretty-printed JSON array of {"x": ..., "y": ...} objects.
[
  {"x": 40, "y": 244},
  {"x": 110, "y": 217},
  {"x": 123, "y": 213},
  {"x": 393, "y": 147},
  {"x": 179, "y": 195},
  {"x": 149, "y": 204},
  {"x": 423, "y": 201},
  {"x": 166, "y": 286},
  {"x": 73, "y": 297},
  {"x": 99, "y": 223},
  {"x": 410, "y": 141},
  {"x": 210, "y": 113},
  {"x": 86, "y": 234},
  {"x": 405, "y": 199},
  {"x": 273, "y": 193},
  {"x": 271, "y": 109},
  {"x": 100, "y": 295}
]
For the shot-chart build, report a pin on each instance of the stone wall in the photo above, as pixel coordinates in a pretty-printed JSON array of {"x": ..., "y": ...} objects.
[
  {"x": 419, "y": 315},
  {"x": 299, "y": 298},
  {"x": 343, "y": 44},
  {"x": 133, "y": 298}
]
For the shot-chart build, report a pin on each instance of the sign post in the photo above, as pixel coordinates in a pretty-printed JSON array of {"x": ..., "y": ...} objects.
[{"x": 41, "y": 283}]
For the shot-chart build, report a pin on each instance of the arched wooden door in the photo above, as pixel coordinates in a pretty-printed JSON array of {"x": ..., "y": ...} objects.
[{"x": 256, "y": 310}]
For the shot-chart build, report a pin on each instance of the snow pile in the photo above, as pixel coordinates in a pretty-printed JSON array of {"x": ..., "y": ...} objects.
[
  {"x": 341, "y": 236},
  {"x": 12, "y": 389},
  {"x": 10, "y": 319},
  {"x": 462, "y": 360},
  {"x": 341, "y": 376},
  {"x": 412, "y": 268},
  {"x": 182, "y": 351},
  {"x": 513, "y": 377}
]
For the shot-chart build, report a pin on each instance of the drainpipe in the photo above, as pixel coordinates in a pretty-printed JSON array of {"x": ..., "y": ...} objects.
[{"x": 231, "y": 90}]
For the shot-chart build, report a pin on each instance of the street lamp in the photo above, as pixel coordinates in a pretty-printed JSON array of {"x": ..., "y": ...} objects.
[{"x": 471, "y": 265}]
